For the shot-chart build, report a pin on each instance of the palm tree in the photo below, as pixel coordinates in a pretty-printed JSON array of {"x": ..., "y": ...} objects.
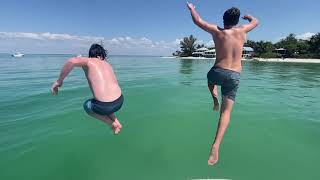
[
  {"x": 315, "y": 43},
  {"x": 177, "y": 53},
  {"x": 188, "y": 45}
]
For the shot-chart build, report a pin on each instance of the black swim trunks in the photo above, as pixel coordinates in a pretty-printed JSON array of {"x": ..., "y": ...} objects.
[
  {"x": 228, "y": 80},
  {"x": 103, "y": 108}
]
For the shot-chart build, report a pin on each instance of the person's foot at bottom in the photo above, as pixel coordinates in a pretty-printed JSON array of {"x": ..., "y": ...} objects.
[
  {"x": 116, "y": 127},
  {"x": 214, "y": 156}
]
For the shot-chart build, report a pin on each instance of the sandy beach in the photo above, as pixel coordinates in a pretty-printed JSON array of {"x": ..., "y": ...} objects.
[
  {"x": 190, "y": 57},
  {"x": 293, "y": 60},
  {"x": 290, "y": 60}
]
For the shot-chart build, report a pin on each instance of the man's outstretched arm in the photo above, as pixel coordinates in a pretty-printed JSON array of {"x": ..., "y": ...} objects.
[
  {"x": 67, "y": 68},
  {"x": 210, "y": 28},
  {"x": 253, "y": 22}
]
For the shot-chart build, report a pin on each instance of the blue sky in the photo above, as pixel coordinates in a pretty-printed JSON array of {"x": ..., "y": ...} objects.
[{"x": 138, "y": 27}]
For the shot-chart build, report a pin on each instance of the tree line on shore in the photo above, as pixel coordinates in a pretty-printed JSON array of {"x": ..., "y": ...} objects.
[{"x": 294, "y": 47}]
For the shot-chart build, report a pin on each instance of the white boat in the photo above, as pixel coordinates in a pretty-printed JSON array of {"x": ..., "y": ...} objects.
[{"x": 17, "y": 55}]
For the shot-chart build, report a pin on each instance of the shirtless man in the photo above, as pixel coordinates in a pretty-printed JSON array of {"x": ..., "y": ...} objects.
[
  {"x": 229, "y": 43},
  {"x": 103, "y": 84}
]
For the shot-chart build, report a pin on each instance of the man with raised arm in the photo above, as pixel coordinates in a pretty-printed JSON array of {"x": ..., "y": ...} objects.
[
  {"x": 107, "y": 96},
  {"x": 229, "y": 42}
]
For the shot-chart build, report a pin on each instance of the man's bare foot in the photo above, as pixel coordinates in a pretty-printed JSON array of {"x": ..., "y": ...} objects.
[
  {"x": 116, "y": 127},
  {"x": 214, "y": 156}
]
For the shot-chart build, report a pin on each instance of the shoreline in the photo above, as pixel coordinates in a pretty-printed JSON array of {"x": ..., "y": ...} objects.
[
  {"x": 280, "y": 60},
  {"x": 290, "y": 60},
  {"x": 189, "y": 57}
]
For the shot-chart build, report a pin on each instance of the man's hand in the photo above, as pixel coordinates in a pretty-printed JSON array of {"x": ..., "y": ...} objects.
[
  {"x": 191, "y": 6},
  {"x": 247, "y": 17},
  {"x": 253, "y": 22},
  {"x": 210, "y": 28},
  {"x": 55, "y": 87}
]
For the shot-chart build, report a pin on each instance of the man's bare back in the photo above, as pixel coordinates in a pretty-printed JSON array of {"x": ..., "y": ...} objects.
[
  {"x": 102, "y": 80},
  {"x": 229, "y": 44}
]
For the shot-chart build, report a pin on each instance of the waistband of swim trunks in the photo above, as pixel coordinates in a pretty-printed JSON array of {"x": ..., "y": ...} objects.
[
  {"x": 106, "y": 103},
  {"x": 229, "y": 70}
]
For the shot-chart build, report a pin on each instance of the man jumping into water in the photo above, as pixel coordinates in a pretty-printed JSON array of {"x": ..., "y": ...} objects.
[
  {"x": 229, "y": 43},
  {"x": 103, "y": 83}
]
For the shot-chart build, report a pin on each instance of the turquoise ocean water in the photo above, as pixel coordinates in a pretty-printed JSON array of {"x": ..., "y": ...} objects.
[{"x": 168, "y": 122}]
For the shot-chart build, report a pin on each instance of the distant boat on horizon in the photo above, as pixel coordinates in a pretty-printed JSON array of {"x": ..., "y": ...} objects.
[{"x": 17, "y": 54}]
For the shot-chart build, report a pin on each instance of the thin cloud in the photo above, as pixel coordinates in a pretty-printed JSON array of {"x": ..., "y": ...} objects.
[
  {"x": 305, "y": 36},
  {"x": 66, "y": 43},
  {"x": 47, "y": 36},
  {"x": 210, "y": 43}
]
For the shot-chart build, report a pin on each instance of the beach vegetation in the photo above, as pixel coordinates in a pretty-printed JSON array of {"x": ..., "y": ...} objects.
[
  {"x": 188, "y": 46},
  {"x": 293, "y": 47}
]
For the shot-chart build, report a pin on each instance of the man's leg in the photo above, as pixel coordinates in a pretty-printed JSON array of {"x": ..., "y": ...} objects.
[
  {"x": 214, "y": 93},
  {"x": 225, "y": 113},
  {"x": 112, "y": 122}
]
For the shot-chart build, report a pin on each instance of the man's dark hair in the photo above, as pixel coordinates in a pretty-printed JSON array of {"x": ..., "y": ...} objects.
[
  {"x": 97, "y": 50},
  {"x": 231, "y": 16}
]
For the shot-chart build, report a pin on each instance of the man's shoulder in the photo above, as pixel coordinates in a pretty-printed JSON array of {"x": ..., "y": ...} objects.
[
  {"x": 232, "y": 31},
  {"x": 240, "y": 29}
]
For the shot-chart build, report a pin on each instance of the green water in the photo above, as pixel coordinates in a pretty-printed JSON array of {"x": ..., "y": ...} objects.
[{"x": 168, "y": 123}]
